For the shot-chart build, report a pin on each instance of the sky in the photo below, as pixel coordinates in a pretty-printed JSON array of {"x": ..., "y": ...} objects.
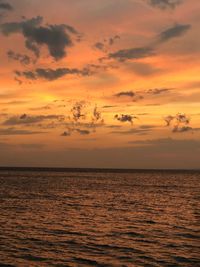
[{"x": 100, "y": 83}]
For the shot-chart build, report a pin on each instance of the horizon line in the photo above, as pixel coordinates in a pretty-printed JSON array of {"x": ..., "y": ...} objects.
[{"x": 89, "y": 169}]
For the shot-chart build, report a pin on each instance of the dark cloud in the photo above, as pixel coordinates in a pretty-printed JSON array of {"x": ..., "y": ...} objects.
[
  {"x": 52, "y": 74},
  {"x": 179, "y": 123},
  {"x": 23, "y": 59},
  {"x": 168, "y": 119},
  {"x": 99, "y": 46},
  {"x": 176, "y": 31},
  {"x": 56, "y": 37},
  {"x": 127, "y": 93},
  {"x": 17, "y": 27},
  {"x": 66, "y": 133},
  {"x": 158, "y": 91},
  {"x": 132, "y": 53},
  {"x": 142, "y": 130},
  {"x": 130, "y": 94},
  {"x": 72, "y": 130},
  {"x": 78, "y": 111},
  {"x": 96, "y": 117},
  {"x": 104, "y": 46},
  {"x": 14, "y": 131},
  {"x": 125, "y": 118},
  {"x": 109, "y": 106},
  {"x": 139, "y": 95},
  {"x": 182, "y": 118},
  {"x": 30, "y": 75},
  {"x": 163, "y": 4},
  {"x": 183, "y": 129},
  {"x": 30, "y": 119},
  {"x": 83, "y": 132},
  {"x": 131, "y": 132},
  {"x": 5, "y": 6}
]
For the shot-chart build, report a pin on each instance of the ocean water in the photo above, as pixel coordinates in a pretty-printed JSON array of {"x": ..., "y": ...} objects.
[{"x": 99, "y": 219}]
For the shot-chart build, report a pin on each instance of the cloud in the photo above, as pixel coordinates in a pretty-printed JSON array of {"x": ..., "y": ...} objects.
[
  {"x": 158, "y": 91},
  {"x": 55, "y": 37},
  {"x": 18, "y": 27},
  {"x": 180, "y": 123},
  {"x": 23, "y": 59},
  {"x": 135, "y": 96},
  {"x": 132, "y": 53},
  {"x": 72, "y": 130},
  {"x": 183, "y": 129},
  {"x": 125, "y": 118},
  {"x": 99, "y": 46},
  {"x": 52, "y": 74},
  {"x": 142, "y": 130},
  {"x": 142, "y": 69},
  {"x": 107, "y": 42},
  {"x": 130, "y": 94},
  {"x": 127, "y": 93},
  {"x": 26, "y": 119},
  {"x": 5, "y": 6},
  {"x": 66, "y": 133},
  {"x": 14, "y": 131},
  {"x": 83, "y": 132},
  {"x": 163, "y": 4},
  {"x": 176, "y": 31},
  {"x": 168, "y": 119}
]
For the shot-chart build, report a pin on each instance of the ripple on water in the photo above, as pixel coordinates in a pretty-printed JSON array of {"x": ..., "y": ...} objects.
[{"x": 99, "y": 219}]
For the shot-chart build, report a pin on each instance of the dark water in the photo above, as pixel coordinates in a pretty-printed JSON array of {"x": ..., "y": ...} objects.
[{"x": 99, "y": 219}]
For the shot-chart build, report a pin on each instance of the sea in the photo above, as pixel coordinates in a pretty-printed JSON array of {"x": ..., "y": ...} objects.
[{"x": 99, "y": 218}]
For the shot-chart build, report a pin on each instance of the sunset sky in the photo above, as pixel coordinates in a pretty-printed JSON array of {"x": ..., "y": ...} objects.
[{"x": 100, "y": 83}]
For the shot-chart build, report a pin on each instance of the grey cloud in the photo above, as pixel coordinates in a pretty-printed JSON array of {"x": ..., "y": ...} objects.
[
  {"x": 99, "y": 46},
  {"x": 23, "y": 59},
  {"x": 158, "y": 91},
  {"x": 125, "y": 118},
  {"x": 163, "y": 4},
  {"x": 66, "y": 133},
  {"x": 132, "y": 53},
  {"x": 182, "y": 118},
  {"x": 142, "y": 130},
  {"x": 72, "y": 130},
  {"x": 14, "y": 131},
  {"x": 183, "y": 129},
  {"x": 103, "y": 46},
  {"x": 26, "y": 119},
  {"x": 168, "y": 119},
  {"x": 127, "y": 93},
  {"x": 56, "y": 37},
  {"x": 109, "y": 106},
  {"x": 52, "y": 74},
  {"x": 26, "y": 74},
  {"x": 5, "y": 6},
  {"x": 180, "y": 122},
  {"x": 131, "y": 94},
  {"x": 17, "y": 27},
  {"x": 83, "y": 132},
  {"x": 141, "y": 94},
  {"x": 176, "y": 31},
  {"x": 78, "y": 111}
]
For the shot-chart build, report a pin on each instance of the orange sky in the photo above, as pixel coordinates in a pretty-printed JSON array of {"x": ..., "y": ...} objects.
[{"x": 104, "y": 83}]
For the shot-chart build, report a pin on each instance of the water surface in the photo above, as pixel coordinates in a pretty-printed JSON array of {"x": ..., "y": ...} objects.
[{"x": 99, "y": 219}]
